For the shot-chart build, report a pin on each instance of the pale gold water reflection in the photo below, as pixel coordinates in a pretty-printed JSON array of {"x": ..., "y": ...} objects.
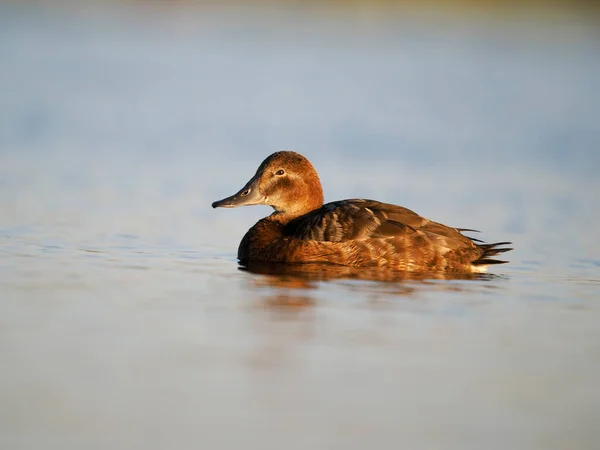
[
  {"x": 303, "y": 274},
  {"x": 386, "y": 284}
]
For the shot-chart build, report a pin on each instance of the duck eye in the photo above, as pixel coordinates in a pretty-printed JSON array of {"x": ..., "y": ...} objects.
[{"x": 280, "y": 172}]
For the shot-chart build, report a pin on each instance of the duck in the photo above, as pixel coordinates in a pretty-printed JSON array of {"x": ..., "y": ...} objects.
[{"x": 354, "y": 232}]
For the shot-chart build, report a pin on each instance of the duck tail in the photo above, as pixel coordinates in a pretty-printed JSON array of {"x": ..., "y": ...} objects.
[{"x": 489, "y": 251}]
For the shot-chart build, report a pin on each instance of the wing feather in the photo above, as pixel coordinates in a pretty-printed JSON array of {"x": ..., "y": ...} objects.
[{"x": 359, "y": 219}]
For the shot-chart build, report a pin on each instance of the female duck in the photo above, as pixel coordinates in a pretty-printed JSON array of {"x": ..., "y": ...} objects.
[{"x": 362, "y": 233}]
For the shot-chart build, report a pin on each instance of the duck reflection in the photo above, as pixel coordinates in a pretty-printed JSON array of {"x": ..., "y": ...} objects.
[
  {"x": 381, "y": 282},
  {"x": 288, "y": 305},
  {"x": 288, "y": 302},
  {"x": 303, "y": 275}
]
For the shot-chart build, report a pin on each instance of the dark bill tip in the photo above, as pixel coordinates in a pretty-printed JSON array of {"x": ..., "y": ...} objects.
[
  {"x": 229, "y": 202},
  {"x": 248, "y": 195}
]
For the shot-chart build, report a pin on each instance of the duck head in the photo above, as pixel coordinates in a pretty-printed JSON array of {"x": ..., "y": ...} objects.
[{"x": 286, "y": 180}]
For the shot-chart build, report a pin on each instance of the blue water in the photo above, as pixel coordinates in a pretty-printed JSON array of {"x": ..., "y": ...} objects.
[{"x": 124, "y": 319}]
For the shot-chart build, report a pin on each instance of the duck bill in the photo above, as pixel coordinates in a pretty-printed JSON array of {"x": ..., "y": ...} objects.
[{"x": 246, "y": 196}]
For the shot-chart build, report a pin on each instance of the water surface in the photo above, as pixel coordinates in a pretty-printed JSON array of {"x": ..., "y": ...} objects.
[{"x": 125, "y": 320}]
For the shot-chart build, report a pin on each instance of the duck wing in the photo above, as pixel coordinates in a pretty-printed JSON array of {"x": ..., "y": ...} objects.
[
  {"x": 359, "y": 219},
  {"x": 363, "y": 220}
]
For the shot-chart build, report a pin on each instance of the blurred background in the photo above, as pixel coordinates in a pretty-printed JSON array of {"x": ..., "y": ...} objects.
[
  {"x": 117, "y": 110},
  {"x": 124, "y": 321}
]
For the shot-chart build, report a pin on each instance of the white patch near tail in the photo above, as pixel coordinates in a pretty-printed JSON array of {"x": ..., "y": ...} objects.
[{"x": 479, "y": 269}]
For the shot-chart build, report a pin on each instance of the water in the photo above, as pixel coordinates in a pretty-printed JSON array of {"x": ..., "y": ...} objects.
[{"x": 125, "y": 321}]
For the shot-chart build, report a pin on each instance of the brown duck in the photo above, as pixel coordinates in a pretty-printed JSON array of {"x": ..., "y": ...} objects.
[{"x": 357, "y": 232}]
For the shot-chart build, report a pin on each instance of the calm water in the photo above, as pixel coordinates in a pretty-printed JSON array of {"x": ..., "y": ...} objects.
[{"x": 124, "y": 320}]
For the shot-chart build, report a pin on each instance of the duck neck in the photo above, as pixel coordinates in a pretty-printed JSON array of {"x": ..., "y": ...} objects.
[
  {"x": 282, "y": 217},
  {"x": 285, "y": 216},
  {"x": 305, "y": 198}
]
